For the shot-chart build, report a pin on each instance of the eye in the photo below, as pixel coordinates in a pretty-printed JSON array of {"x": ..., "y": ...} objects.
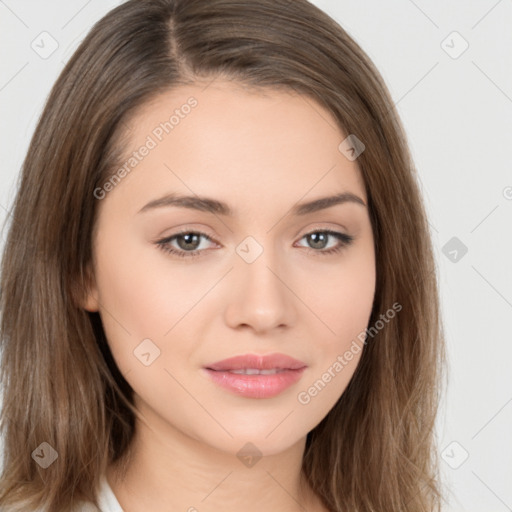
[
  {"x": 189, "y": 243},
  {"x": 319, "y": 240}
]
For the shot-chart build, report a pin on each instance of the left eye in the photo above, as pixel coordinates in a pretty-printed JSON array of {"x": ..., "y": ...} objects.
[
  {"x": 189, "y": 242},
  {"x": 319, "y": 238}
]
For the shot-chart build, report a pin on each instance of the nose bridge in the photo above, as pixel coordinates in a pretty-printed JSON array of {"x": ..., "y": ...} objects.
[{"x": 262, "y": 300}]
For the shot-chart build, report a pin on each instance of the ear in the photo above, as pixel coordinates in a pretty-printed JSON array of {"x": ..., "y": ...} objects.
[
  {"x": 91, "y": 301},
  {"x": 87, "y": 292}
]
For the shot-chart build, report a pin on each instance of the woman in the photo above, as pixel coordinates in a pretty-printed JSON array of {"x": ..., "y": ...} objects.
[{"x": 218, "y": 287}]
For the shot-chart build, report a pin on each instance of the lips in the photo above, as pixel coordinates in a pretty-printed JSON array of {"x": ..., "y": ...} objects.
[
  {"x": 256, "y": 376},
  {"x": 257, "y": 362}
]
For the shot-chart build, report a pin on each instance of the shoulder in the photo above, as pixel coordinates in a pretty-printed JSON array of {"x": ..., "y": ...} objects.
[{"x": 106, "y": 500}]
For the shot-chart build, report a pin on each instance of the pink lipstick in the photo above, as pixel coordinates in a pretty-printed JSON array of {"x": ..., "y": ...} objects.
[{"x": 256, "y": 376}]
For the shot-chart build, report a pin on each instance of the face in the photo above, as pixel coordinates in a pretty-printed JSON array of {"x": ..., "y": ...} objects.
[{"x": 248, "y": 270}]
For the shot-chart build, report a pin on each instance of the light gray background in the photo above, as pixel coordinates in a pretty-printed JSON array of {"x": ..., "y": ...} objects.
[{"x": 457, "y": 111}]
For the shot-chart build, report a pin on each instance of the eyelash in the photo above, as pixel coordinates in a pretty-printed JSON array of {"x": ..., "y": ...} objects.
[{"x": 163, "y": 244}]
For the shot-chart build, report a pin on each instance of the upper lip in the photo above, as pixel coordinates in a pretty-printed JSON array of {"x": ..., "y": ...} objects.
[{"x": 259, "y": 362}]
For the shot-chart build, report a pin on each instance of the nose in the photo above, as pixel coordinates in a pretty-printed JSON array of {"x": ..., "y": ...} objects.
[{"x": 261, "y": 297}]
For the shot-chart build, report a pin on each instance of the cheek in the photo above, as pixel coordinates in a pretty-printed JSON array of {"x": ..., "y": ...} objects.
[
  {"x": 134, "y": 303},
  {"x": 342, "y": 296},
  {"x": 343, "y": 304},
  {"x": 145, "y": 296},
  {"x": 144, "y": 293}
]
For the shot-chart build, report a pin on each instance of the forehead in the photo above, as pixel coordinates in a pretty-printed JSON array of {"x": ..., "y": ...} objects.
[{"x": 220, "y": 139}]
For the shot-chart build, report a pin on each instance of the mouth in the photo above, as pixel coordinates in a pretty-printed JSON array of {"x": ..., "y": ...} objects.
[{"x": 255, "y": 376}]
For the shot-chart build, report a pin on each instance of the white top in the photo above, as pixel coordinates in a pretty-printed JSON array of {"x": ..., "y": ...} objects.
[
  {"x": 106, "y": 498},
  {"x": 108, "y": 502}
]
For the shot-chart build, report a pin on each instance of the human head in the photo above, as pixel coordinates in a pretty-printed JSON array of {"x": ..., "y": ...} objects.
[
  {"x": 136, "y": 52},
  {"x": 257, "y": 285}
]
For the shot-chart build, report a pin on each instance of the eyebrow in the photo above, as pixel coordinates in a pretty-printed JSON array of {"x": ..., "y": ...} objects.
[{"x": 206, "y": 204}]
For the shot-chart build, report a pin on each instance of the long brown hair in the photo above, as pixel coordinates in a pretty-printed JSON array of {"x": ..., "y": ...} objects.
[{"x": 376, "y": 449}]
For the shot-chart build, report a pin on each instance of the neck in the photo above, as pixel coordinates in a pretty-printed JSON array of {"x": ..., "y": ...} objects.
[{"x": 169, "y": 470}]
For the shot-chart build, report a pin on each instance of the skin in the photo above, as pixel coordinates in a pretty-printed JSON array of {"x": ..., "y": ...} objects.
[{"x": 261, "y": 153}]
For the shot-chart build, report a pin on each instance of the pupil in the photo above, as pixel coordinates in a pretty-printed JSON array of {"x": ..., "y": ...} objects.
[
  {"x": 187, "y": 239},
  {"x": 313, "y": 236}
]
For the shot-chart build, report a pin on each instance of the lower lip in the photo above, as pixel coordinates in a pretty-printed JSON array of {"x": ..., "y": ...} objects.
[{"x": 256, "y": 386}]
